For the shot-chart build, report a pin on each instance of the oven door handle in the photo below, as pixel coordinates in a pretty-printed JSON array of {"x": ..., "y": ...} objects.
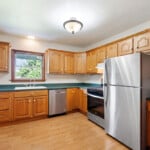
[{"x": 99, "y": 97}]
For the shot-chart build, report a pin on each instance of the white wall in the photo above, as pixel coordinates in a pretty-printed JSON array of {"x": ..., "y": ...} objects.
[
  {"x": 34, "y": 45},
  {"x": 97, "y": 79},
  {"x": 50, "y": 78}
]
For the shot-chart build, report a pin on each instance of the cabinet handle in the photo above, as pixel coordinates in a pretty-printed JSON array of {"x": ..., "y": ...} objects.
[{"x": 29, "y": 101}]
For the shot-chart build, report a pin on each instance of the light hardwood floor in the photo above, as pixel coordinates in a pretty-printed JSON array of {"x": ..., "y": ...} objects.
[{"x": 67, "y": 132}]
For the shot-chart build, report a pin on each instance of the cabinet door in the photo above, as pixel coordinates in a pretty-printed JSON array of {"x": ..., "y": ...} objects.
[
  {"x": 82, "y": 101},
  {"x": 101, "y": 54},
  {"x": 84, "y": 107},
  {"x": 80, "y": 63},
  {"x": 112, "y": 51},
  {"x": 68, "y": 63},
  {"x": 56, "y": 63},
  {"x": 91, "y": 62},
  {"x": 72, "y": 99},
  {"x": 125, "y": 47},
  {"x": 148, "y": 123},
  {"x": 22, "y": 107},
  {"x": 142, "y": 42},
  {"x": 5, "y": 107},
  {"x": 40, "y": 106},
  {"x": 4, "y": 56}
]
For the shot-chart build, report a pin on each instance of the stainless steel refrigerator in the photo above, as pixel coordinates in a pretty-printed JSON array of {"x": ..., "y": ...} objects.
[{"x": 126, "y": 86}]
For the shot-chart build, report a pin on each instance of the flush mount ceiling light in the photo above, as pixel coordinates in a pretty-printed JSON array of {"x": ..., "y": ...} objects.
[
  {"x": 73, "y": 25},
  {"x": 31, "y": 37}
]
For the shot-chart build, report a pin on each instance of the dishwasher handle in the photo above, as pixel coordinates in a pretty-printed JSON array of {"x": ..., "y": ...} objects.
[{"x": 60, "y": 92}]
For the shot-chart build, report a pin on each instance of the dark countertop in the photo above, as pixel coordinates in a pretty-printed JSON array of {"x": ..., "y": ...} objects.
[{"x": 11, "y": 87}]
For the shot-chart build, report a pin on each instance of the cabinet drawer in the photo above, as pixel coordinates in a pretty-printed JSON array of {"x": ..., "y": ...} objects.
[
  {"x": 4, "y": 95},
  {"x": 23, "y": 94},
  {"x": 5, "y": 115},
  {"x": 4, "y": 104},
  {"x": 148, "y": 106},
  {"x": 40, "y": 92}
]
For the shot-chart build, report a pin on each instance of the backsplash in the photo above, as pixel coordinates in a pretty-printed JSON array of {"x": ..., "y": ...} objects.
[
  {"x": 74, "y": 78},
  {"x": 51, "y": 78},
  {"x": 97, "y": 79},
  {"x": 5, "y": 78}
]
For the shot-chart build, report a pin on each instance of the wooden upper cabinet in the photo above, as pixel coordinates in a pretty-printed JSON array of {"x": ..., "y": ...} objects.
[
  {"x": 91, "y": 61},
  {"x": 56, "y": 62},
  {"x": 4, "y": 56},
  {"x": 68, "y": 62},
  {"x": 59, "y": 62},
  {"x": 6, "y": 107},
  {"x": 80, "y": 63},
  {"x": 112, "y": 50},
  {"x": 101, "y": 54},
  {"x": 142, "y": 42},
  {"x": 125, "y": 47}
]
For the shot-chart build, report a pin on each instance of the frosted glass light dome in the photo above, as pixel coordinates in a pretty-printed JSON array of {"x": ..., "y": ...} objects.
[{"x": 73, "y": 26}]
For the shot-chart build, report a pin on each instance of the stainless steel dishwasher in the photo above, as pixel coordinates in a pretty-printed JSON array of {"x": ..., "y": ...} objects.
[{"x": 57, "y": 102}]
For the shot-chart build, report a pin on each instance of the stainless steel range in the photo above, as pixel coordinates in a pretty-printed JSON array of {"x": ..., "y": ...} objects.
[{"x": 96, "y": 105}]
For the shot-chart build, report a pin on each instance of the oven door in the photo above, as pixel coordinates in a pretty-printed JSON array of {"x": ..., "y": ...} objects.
[{"x": 96, "y": 105}]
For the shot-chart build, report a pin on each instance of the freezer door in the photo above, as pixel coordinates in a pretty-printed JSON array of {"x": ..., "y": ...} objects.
[
  {"x": 122, "y": 115},
  {"x": 123, "y": 70}
]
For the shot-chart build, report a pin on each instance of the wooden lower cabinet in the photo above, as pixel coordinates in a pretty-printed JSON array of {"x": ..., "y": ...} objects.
[
  {"x": 76, "y": 99},
  {"x": 6, "y": 106},
  {"x": 22, "y": 107},
  {"x": 28, "y": 104},
  {"x": 72, "y": 96},
  {"x": 82, "y": 101},
  {"x": 40, "y": 105},
  {"x": 148, "y": 124}
]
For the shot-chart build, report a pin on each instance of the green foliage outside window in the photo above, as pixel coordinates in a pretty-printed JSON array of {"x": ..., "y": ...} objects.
[{"x": 31, "y": 69}]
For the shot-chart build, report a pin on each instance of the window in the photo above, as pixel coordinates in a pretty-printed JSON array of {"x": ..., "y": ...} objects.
[{"x": 27, "y": 66}]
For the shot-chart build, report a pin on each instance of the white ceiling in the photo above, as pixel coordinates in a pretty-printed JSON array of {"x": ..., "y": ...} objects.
[{"x": 44, "y": 18}]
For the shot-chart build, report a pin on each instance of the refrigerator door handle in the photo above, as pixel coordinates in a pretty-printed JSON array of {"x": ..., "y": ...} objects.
[
  {"x": 106, "y": 94},
  {"x": 106, "y": 83},
  {"x": 105, "y": 73}
]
